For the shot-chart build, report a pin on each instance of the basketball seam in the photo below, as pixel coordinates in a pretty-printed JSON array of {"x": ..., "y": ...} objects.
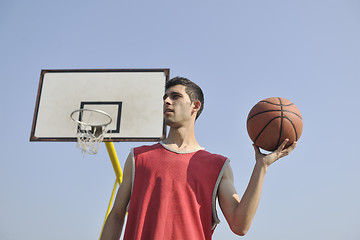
[
  {"x": 292, "y": 124},
  {"x": 264, "y": 128},
  {"x": 277, "y": 104},
  {"x": 293, "y": 113},
  {"x": 274, "y": 111},
  {"x": 261, "y": 113},
  {"x": 281, "y": 121}
]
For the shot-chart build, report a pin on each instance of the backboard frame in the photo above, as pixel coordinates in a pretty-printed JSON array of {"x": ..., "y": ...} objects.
[{"x": 33, "y": 136}]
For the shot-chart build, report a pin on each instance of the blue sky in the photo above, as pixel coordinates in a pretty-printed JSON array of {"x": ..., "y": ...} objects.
[{"x": 239, "y": 52}]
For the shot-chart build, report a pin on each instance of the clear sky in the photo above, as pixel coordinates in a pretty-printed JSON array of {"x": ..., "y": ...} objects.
[{"x": 239, "y": 52}]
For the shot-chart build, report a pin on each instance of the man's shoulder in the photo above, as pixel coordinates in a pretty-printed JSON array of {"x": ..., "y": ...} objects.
[
  {"x": 205, "y": 153},
  {"x": 146, "y": 148}
]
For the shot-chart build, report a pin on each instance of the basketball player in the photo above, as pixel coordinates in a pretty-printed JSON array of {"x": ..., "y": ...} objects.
[{"x": 170, "y": 188}]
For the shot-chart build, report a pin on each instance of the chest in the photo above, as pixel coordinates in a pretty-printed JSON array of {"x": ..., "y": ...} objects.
[{"x": 171, "y": 168}]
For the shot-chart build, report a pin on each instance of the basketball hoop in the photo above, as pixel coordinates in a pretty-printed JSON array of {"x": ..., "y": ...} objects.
[{"x": 91, "y": 128}]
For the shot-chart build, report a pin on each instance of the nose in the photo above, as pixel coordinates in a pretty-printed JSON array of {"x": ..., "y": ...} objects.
[{"x": 167, "y": 101}]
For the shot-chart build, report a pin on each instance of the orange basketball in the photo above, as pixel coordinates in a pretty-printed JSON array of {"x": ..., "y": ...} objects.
[{"x": 272, "y": 120}]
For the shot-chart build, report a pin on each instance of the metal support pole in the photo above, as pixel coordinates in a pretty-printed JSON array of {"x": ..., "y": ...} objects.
[{"x": 114, "y": 160}]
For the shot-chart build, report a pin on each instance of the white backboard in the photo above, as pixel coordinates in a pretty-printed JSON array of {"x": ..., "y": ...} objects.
[{"x": 132, "y": 97}]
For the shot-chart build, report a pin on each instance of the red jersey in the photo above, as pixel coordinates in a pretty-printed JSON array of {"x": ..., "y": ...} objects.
[{"x": 173, "y": 194}]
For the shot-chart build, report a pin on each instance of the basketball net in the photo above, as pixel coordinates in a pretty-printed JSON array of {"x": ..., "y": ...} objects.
[
  {"x": 90, "y": 131},
  {"x": 89, "y": 140}
]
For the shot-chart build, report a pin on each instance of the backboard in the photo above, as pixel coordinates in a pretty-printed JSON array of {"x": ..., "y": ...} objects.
[{"x": 132, "y": 97}]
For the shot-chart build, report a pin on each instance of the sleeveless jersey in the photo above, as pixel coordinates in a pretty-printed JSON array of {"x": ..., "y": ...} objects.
[{"x": 173, "y": 194}]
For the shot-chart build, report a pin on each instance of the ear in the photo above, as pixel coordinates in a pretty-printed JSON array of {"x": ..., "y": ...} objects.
[{"x": 197, "y": 105}]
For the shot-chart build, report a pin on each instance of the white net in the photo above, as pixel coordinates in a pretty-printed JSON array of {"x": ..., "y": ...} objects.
[
  {"x": 89, "y": 140},
  {"x": 91, "y": 127}
]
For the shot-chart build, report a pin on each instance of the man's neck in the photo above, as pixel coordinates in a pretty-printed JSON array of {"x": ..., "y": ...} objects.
[{"x": 182, "y": 139}]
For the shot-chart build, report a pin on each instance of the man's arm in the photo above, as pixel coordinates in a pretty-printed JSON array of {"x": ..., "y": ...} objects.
[
  {"x": 240, "y": 213},
  {"x": 115, "y": 221}
]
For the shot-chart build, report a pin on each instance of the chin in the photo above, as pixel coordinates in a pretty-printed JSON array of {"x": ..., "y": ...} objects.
[{"x": 170, "y": 123}]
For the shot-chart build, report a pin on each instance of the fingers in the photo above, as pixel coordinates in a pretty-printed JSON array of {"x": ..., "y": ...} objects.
[
  {"x": 284, "y": 152},
  {"x": 291, "y": 147},
  {"x": 282, "y": 145},
  {"x": 280, "y": 152}
]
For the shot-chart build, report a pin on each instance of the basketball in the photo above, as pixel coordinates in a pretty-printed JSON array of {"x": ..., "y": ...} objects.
[{"x": 271, "y": 121}]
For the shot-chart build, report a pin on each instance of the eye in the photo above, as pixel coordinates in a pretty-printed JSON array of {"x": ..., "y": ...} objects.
[{"x": 175, "y": 96}]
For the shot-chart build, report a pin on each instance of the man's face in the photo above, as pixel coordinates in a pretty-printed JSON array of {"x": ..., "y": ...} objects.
[{"x": 178, "y": 108}]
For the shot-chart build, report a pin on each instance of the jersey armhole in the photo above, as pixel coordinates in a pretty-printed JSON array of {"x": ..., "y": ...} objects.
[
  {"x": 215, "y": 217},
  {"x": 132, "y": 175}
]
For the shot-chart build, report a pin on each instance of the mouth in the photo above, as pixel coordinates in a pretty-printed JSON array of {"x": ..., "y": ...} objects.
[{"x": 168, "y": 111}]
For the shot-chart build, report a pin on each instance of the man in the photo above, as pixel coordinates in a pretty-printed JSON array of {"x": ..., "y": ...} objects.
[{"x": 170, "y": 188}]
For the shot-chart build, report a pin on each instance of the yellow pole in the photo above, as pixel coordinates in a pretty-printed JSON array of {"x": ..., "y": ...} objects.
[
  {"x": 118, "y": 172},
  {"x": 114, "y": 160}
]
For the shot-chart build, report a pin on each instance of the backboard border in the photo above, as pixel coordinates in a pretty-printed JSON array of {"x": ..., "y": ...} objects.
[{"x": 33, "y": 138}]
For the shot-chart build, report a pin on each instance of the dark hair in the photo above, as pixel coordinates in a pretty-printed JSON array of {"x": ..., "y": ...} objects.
[{"x": 192, "y": 89}]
